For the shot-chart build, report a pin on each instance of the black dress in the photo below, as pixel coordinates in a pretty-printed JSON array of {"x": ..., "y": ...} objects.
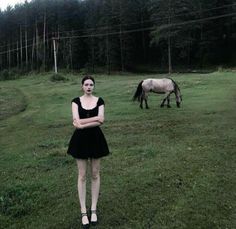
[{"x": 89, "y": 142}]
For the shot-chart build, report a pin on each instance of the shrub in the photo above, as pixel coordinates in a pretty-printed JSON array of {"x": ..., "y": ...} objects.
[
  {"x": 9, "y": 74},
  {"x": 57, "y": 77},
  {"x": 4, "y": 75}
]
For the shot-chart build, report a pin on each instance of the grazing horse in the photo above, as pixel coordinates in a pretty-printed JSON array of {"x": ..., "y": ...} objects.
[{"x": 161, "y": 86}]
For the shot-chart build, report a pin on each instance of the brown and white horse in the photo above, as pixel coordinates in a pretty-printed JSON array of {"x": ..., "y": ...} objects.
[{"x": 165, "y": 86}]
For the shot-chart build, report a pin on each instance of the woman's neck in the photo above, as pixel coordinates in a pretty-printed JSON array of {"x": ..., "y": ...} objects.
[{"x": 88, "y": 96}]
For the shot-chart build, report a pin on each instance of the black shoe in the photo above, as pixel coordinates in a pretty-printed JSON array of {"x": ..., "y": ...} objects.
[
  {"x": 84, "y": 226},
  {"x": 93, "y": 223}
]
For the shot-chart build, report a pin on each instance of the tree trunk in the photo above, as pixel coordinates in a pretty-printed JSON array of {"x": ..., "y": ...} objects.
[
  {"x": 121, "y": 51},
  {"x": 1, "y": 62},
  {"x": 93, "y": 55},
  {"x": 121, "y": 44},
  {"x": 169, "y": 55},
  {"x": 32, "y": 53},
  {"x": 169, "y": 41},
  {"x": 108, "y": 55},
  {"x": 37, "y": 44},
  {"x": 71, "y": 57},
  {"x": 44, "y": 42},
  {"x": 143, "y": 40},
  {"x": 26, "y": 48},
  {"x": 21, "y": 48},
  {"x": 58, "y": 37},
  {"x": 17, "y": 55},
  {"x": 9, "y": 57}
]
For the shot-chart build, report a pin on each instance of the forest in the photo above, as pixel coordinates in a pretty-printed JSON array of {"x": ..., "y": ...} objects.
[
  {"x": 117, "y": 35},
  {"x": 168, "y": 167}
]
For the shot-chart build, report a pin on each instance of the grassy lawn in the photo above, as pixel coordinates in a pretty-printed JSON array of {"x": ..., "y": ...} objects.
[{"x": 169, "y": 168}]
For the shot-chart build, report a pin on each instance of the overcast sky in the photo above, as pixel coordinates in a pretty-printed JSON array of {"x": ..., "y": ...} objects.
[{"x": 5, "y": 3}]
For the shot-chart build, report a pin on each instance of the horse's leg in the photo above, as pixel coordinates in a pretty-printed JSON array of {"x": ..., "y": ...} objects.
[
  {"x": 166, "y": 98},
  {"x": 147, "y": 107},
  {"x": 145, "y": 96},
  {"x": 168, "y": 101},
  {"x": 141, "y": 102},
  {"x": 163, "y": 102}
]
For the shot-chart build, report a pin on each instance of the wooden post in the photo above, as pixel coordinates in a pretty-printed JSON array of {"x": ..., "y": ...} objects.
[{"x": 55, "y": 54}]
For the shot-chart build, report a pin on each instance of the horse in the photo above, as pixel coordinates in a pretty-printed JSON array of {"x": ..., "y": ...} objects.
[{"x": 165, "y": 86}]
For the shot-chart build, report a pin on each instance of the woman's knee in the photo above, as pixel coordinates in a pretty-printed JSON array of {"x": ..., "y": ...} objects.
[
  {"x": 95, "y": 169},
  {"x": 82, "y": 177},
  {"x": 95, "y": 174}
]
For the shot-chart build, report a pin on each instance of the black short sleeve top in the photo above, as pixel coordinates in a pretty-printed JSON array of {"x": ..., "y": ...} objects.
[{"x": 84, "y": 113}]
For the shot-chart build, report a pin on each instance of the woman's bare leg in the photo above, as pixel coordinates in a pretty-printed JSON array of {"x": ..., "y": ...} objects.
[
  {"x": 82, "y": 166},
  {"x": 95, "y": 185}
]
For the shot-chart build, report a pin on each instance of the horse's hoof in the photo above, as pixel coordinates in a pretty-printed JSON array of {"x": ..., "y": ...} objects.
[
  {"x": 161, "y": 106},
  {"x": 168, "y": 106}
]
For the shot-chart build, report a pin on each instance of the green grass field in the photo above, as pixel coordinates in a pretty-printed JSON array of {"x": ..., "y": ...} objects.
[{"x": 169, "y": 168}]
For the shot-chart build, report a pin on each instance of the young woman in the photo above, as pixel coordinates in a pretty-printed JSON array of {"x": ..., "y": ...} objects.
[{"x": 88, "y": 144}]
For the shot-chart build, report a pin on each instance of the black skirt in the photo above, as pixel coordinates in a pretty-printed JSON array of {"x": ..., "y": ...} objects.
[{"x": 88, "y": 143}]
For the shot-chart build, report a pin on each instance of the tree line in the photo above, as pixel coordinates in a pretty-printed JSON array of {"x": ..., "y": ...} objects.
[{"x": 117, "y": 35}]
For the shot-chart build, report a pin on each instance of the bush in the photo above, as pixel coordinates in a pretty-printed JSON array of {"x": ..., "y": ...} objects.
[
  {"x": 57, "y": 77},
  {"x": 4, "y": 75},
  {"x": 9, "y": 74}
]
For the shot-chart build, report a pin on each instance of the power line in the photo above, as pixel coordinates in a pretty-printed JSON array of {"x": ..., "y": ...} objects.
[
  {"x": 130, "y": 31},
  {"x": 127, "y": 24},
  {"x": 147, "y": 21},
  {"x": 199, "y": 20},
  {"x": 23, "y": 47},
  {"x": 150, "y": 28}
]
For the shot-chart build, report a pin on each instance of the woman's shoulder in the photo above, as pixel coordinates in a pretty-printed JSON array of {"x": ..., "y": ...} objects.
[
  {"x": 76, "y": 100},
  {"x": 100, "y": 101}
]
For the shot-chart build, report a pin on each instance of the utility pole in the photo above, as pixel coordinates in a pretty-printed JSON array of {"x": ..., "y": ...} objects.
[
  {"x": 55, "y": 53},
  {"x": 169, "y": 40}
]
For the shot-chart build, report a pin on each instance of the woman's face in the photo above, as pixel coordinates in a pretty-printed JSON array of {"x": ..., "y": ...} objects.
[{"x": 88, "y": 86}]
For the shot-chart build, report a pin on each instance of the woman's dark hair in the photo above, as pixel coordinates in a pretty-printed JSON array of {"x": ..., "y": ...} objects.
[{"x": 87, "y": 78}]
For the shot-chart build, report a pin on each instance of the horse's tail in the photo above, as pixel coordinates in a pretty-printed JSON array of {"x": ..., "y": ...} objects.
[
  {"x": 177, "y": 93},
  {"x": 138, "y": 92}
]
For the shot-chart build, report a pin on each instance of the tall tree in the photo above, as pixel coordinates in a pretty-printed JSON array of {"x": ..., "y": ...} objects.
[
  {"x": 115, "y": 34},
  {"x": 169, "y": 19}
]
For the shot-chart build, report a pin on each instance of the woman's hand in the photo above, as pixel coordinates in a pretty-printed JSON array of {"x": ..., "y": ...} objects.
[{"x": 77, "y": 124}]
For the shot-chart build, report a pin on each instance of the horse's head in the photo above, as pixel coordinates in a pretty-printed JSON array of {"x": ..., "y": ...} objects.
[{"x": 178, "y": 100}]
